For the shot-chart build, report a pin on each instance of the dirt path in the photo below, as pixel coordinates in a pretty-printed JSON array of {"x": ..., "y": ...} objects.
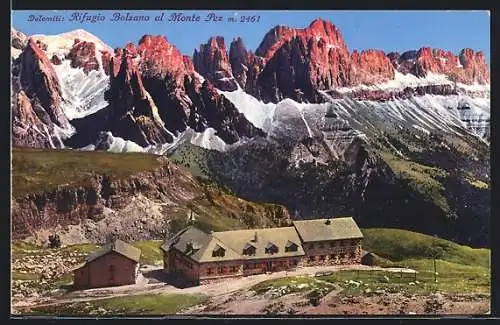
[{"x": 215, "y": 289}]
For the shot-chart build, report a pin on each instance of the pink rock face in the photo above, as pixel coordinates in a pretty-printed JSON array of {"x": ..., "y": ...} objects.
[
  {"x": 318, "y": 29},
  {"x": 159, "y": 58},
  {"x": 299, "y": 62},
  {"x": 83, "y": 55},
  {"x": 467, "y": 68},
  {"x": 106, "y": 61},
  {"x": 39, "y": 79},
  {"x": 475, "y": 68},
  {"x": 370, "y": 67},
  {"x": 212, "y": 62}
]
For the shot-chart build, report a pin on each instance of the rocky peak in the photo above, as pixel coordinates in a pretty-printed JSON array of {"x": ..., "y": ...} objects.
[
  {"x": 211, "y": 61},
  {"x": 468, "y": 67},
  {"x": 370, "y": 67},
  {"x": 17, "y": 42},
  {"x": 38, "y": 79},
  {"x": 83, "y": 55},
  {"x": 318, "y": 30},
  {"x": 159, "y": 58}
]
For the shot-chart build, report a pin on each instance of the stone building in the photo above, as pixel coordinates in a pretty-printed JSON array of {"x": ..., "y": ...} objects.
[
  {"x": 330, "y": 241},
  {"x": 117, "y": 263},
  {"x": 197, "y": 256}
]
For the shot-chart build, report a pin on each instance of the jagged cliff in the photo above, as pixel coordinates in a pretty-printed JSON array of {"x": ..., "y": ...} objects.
[{"x": 136, "y": 196}]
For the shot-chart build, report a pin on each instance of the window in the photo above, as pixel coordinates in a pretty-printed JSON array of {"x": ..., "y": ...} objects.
[
  {"x": 234, "y": 269},
  {"x": 210, "y": 271},
  {"x": 295, "y": 262},
  {"x": 218, "y": 251},
  {"x": 320, "y": 245},
  {"x": 332, "y": 244},
  {"x": 249, "y": 250},
  {"x": 255, "y": 265},
  {"x": 221, "y": 269},
  {"x": 290, "y": 247},
  {"x": 271, "y": 248}
]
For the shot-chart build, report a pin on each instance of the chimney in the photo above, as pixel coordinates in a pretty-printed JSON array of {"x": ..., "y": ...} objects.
[{"x": 255, "y": 237}]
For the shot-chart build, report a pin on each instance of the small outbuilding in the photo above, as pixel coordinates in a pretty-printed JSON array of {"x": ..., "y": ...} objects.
[
  {"x": 368, "y": 258},
  {"x": 117, "y": 263}
]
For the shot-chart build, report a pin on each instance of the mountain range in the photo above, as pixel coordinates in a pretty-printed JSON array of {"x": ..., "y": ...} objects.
[{"x": 393, "y": 139}]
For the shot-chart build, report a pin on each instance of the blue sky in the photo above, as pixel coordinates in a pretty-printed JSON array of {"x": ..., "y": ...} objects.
[{"x": 384, "y": 30}]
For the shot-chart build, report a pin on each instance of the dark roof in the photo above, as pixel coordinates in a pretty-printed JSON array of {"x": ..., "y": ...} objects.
[
  {"x": 290, "y": 243},
  {"x": 269, "y": 245},
  {"x": 117, "y": 246},
  {"x": 205, "y": 243},
  {"x": 248, "y": 245},
  {"x": 327, "y": 229}
]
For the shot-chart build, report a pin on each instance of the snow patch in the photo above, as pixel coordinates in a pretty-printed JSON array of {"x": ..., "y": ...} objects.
[
  {"x": 83, "y": 94},
  {"x": 258, "y": 113}
]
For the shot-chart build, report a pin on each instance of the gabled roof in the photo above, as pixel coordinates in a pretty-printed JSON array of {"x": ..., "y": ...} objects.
[
  {"x": 248, "y": 245},
  {"x": 238, "y": 239},
  {"x": 319, "y": 229},
  {"x": 206, "y": 244},
  {"x": 117, "y": 246},
  {"x": 218, "y": 247},
  {"x": 269, "y": 245}
]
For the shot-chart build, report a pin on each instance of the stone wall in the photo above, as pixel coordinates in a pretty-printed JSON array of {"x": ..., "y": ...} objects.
[
  {"x": 176, "y": 262},
  {"x": 333, "y": 252}
]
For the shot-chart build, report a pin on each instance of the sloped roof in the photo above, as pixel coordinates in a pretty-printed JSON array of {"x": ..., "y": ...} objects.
[
  {"x": 238, "y": 239},
  {"x": 234, "y": 242},
  {"x": 205, "y": 244},
  {"x": 320, "y": 229},
  {"x": 117, "y": 246}
]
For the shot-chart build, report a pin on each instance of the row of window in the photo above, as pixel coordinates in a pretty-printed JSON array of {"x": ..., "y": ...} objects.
[
  {"x": 332, "y": 244},
  {"x": 223, "y": 269},
  {"x": 332, "y": 257}
]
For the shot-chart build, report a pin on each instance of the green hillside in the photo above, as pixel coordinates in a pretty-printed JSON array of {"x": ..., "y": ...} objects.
[
  {"x": 399, "y": 245},
  {"x": 37, "y": 170}
]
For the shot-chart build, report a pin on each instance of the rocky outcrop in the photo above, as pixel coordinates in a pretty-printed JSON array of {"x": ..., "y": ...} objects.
[
  {"x": 297, "y": 63},
  {"x": 154, "y": 94},
  {"x": 72, "y": 206},
  {"x": 246, "y": 66},
  {"x": 17, "y": 42},
  {"x": 468, "y": 67},
  {"x": 83, "y": 55},
  {"x": 380, "y": 95},
  {"x": 211, "y": 61},
  {"x": 370, "y": 67},
  {"x": 36, "y": 101}
]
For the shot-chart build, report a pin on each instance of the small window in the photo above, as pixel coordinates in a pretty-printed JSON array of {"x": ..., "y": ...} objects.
[
  {"x": 255, "y": 265},
  {"x": 221, "y": 270},
  {"x": 218, "y": 252},
  {"x": 234, "y": 269},
  {"x": 210, "y": 271}
]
